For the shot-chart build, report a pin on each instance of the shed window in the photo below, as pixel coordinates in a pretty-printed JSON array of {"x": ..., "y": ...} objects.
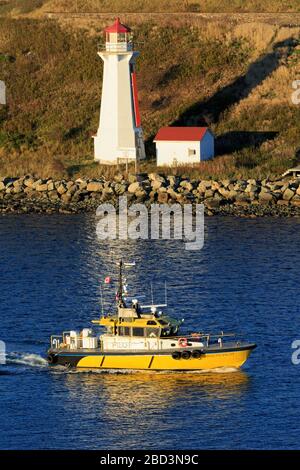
[{"x": 191, "y": 152}]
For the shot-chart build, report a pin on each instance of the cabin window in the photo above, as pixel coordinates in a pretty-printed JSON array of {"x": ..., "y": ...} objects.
[
  {"x": 151, "y": 322},
  {"x": 153, "y": 332},
  {"x": 124, "y": 331},
  {"x": 165, "y": 332},
  {"x": 162, "y": 322},
  {"x": 137, "y": 331}
]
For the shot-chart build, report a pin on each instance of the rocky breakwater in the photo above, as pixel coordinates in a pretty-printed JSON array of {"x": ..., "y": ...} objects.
[{"x": 229, "y": 196}]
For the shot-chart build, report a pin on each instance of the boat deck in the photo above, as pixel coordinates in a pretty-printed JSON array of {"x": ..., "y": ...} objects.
[{"x": 212, "y": 348}]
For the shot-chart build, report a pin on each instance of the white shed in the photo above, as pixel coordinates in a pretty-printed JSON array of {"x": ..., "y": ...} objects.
[{"x": 183, "y": 145}]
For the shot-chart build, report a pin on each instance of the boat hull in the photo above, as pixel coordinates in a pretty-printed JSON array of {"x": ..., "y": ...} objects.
[{"x": 233, "y": 358}]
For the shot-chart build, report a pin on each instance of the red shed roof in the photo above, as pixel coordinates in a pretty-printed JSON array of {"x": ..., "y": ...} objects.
[
  {"x": 117, "y": 27},
  {"x": 181, "y": 133}
]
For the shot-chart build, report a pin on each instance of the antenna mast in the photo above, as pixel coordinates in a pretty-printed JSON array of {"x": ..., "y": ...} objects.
[
  {"x": 120, "y": 299},
  {"x": 166, "y": 293},
  {"x": 102, "y": 307}
]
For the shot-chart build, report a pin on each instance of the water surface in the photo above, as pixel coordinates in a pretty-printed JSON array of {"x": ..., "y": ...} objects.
[{"x": 245, "y": 279}]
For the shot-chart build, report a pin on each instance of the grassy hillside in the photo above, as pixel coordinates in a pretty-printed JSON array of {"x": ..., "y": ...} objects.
[
  {"x": 234, "y": 76},
  {"x": 26, "y": 6}
]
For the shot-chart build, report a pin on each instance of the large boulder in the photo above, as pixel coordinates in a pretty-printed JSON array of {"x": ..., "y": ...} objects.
[
  {"x": 212, "y": 203},
  {"x": 288, "y": 194},
  {"x": 282, "y": 202},
  {"x": 209, "y": 193},
  {"x": 224, "y": 192},
  {"x": 140, "y": 194},
  {"x": 131, "y": 178},
  {"x": 119, "y": 188},
  {"x": 232, "y": 194},
  {"x": 66, "y": 197},
  {"x": 172, "y": 193},
  {"x": 118, "y": 178},
  {"x": 156, "y": 177},
  {"x": 61, "y": 189},
  {"x": 265, "y": 197},
  {"x": 187, "y": 185},
  {"x": 18, "y": 183},
  {"x": 94, "y": 186},
  {"x": 50, "y": 185},
  {"x": 215, "y": 185},
  {"x": 156, "y": 184},
  {"x": 70, "y": 184},
  {"x": 251, "y": 188},
  {"x": 203, "y": 186},
  {"x": 107, "y": 188},
  {"x": 134, "y": 187},
  {"x": 163, "y": 197},
  {"x": 52, "y": 195},
  {"x": 173, "y": 180},
  {"x": 41, "y": 187},
  {"x": 28, "y": 182},
  {"x": 242, "y": 197}
]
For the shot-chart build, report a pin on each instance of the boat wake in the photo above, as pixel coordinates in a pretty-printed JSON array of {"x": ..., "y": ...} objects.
[
  {"x": 224, "y": 370},
  {"x": 26, "y": 359},
  {"x": 105, "y": 371},
  {"x": 219, "y": 370}
]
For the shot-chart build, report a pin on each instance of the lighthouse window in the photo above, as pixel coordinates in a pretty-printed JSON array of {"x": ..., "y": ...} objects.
[{"x": 121, "y": 37}]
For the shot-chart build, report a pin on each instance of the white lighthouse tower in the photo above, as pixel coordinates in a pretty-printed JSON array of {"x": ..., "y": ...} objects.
[{"x": 119, "y": 137}]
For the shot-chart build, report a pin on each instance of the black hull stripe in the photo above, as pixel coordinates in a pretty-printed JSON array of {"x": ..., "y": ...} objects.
[{"x": 72, "y": 359}]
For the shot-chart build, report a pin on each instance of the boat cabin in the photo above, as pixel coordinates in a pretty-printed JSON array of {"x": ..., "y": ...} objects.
[{"x": 130, "y": 321}]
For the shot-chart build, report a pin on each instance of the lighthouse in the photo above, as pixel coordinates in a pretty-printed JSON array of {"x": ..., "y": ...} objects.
[{"x": 119, "y": 137}]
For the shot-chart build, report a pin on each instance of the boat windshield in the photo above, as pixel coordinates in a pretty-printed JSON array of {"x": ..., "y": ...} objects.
[{"x": 166, "y": 332}]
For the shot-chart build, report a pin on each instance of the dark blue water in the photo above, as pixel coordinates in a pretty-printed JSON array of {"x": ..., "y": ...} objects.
[{"x": 246, "y": 279}]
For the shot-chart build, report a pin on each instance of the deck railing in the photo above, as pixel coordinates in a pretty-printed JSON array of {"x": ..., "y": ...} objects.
[{"x": 116, "y": 47}]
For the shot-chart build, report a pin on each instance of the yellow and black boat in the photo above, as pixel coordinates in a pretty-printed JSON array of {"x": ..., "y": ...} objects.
[{"x": 143, "y": 337}]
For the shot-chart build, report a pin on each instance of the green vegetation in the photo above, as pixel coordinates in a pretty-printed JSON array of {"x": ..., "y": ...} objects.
[
  {"x": 193, "y": 6},
  {"x": 235, "y": 78}
]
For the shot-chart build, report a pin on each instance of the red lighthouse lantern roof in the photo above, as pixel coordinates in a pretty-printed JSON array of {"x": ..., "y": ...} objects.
[{"x": 117, "y": 27}]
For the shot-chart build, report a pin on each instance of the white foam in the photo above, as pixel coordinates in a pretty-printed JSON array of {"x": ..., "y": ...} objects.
[
  {"x": 103, "y": 371},
  {"x": 27, "y": 359},
  {"x": 219, "y": 370}
]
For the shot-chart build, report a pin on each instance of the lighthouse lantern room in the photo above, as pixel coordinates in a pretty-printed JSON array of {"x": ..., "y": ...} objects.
[{"x": 119, "y": 137}]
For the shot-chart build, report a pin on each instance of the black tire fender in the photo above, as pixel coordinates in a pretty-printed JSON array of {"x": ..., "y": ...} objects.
[
  {"x": 197, "y": 354},
  {"x": 186, "y": 354},
  {"x": 52, "y": 358},
  {"x": 176, "y": 355}
]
